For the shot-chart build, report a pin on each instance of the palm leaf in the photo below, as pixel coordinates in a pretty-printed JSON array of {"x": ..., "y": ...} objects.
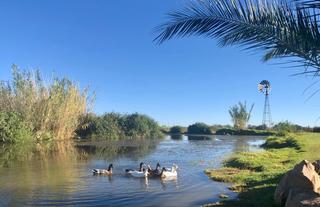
[
  {"x": 278, "y": 28},
  {"x": 310, "y": 4}
]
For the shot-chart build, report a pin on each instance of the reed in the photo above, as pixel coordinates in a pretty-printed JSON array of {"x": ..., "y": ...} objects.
[{"x": 51, "y": 109}]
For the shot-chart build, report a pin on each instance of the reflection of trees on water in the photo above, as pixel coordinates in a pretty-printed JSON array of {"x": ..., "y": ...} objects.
[
  {"x": 32, "y": 167},
  {"x": 67, "y": 151},
  {"x": 176, "y": 136},
  {"x": 11, "y": 154},
  {"x": 113, "y": 150},
  {"x": 199, "y": 137},
  {"x": 50, "y": 165},
  {"x": 242, "y": 143}
]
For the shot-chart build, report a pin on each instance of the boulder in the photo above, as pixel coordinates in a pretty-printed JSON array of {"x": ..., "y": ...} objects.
[
  {"x": 300, "y": 198},
  {"x": 316, "y": 165},
  {"x": 302, "y": 177}
]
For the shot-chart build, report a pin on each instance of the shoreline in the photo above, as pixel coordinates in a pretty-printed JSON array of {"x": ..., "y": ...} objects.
[{"x": 255, "y": 175}]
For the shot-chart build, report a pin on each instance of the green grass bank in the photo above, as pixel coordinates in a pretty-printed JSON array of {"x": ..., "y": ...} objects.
[{"x": 255, "y": 175}]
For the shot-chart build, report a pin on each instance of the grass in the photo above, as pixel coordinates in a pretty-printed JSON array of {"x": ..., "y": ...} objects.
[{"x": 255, "y": 175}]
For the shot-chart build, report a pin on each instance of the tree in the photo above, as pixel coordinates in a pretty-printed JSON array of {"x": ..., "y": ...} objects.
[
  {"x": 199, "y": 128},
  {"x": 240, "y": 115},
  {"x": 280, "y": 29}
]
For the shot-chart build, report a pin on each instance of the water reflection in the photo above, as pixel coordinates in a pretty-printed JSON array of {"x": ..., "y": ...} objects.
[
  {"x": 199, "y": 137},
  {"x": 243, "y": 145},
  {"x": 113, "y": 150},
  {"x": 11, "y": 154},
  {"x": 165, "y": 182},
  {"x": 59, "y": 173},
  {"x": 176, "y": 136}
]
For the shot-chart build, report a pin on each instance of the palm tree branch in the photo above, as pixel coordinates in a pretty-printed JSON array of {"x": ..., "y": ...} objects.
[{"x": 274, "y": 28}]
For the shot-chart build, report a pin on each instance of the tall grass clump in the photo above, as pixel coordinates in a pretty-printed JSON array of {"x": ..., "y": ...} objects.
[
  {"x": 50, "y": 109},
  {"x": 240, "y": 115}
]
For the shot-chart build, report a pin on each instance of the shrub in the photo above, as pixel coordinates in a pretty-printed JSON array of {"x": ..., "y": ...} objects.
[
  {"x": 199, "y": 128},
  {"x": 108, "y": 126},
  {"x": 137, "y": 125},
  {"x": 87, "y": 125},
  {"x": 13, "y": 128},
  {"x": 115, "y": 126},
  {"x": 316, "y": 129},
  {"x": 177, "y": 130},
  {"x": 283, "y": 128}
]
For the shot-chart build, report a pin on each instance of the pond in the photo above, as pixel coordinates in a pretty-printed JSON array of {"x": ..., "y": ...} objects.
[{"x": 59, "y": 174}]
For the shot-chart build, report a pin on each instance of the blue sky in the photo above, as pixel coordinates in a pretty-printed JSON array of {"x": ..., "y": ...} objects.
[{"x": 108, "y": 46}]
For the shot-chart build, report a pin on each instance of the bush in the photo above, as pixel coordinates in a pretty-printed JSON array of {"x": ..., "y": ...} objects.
[
  {"x": 177, "y": 130},
  {"x": 108, "y": 126},
  {"x": 13, "y": 129},
  {"x": 199, "y": 128},
  {"x": 114, "y": 126},
  {"x": 137, "y": 125},
  {"x": 316, "y": 129},
  {"x": 283, "y": 128},
  {"x": 87, "y": 125}
]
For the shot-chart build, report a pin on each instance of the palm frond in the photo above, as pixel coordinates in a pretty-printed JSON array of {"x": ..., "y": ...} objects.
[
  {"x": 278, "y": 28},
  {"x": 308, "y": 4}
]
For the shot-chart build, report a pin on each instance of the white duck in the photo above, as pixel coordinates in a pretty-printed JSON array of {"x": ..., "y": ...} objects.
[
  {"x": 142, "y": 172},
  {"x": 139, "y": 174},
  {"x": 170, "y": 172},
  {"x": 103, "y": 171},
  {"x": 129, "y": 171}
]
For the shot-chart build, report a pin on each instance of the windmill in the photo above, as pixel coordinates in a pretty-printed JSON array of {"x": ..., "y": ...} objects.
[{"x": 264, "y": 87}]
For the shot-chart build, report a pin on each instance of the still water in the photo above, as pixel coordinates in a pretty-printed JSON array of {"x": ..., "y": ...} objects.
[{"x": 59, "y": 174}]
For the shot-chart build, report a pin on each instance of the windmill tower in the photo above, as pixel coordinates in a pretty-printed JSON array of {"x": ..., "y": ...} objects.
[{"x": 264, "y": 87}]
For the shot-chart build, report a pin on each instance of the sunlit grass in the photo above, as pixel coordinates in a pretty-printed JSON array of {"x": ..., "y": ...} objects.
[{"x": 256, "y": 174}]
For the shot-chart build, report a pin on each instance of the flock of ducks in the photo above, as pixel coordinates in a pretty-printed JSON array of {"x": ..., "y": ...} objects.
[{"x": 143, "y": 171}]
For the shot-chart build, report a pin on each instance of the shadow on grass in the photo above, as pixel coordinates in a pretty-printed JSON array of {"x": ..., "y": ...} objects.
[{"x": 255, "y": 194}]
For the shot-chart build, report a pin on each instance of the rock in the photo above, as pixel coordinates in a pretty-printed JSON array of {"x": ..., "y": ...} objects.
[
  {"x": 303, "y": 177},
  {"x": 223, "y": 196},
  {"x": 316, "y": 165},
  {"x": 300, "y": 198}
]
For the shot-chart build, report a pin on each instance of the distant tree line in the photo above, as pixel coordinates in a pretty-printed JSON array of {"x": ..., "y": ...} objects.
[{"x": 281, "y": 128}]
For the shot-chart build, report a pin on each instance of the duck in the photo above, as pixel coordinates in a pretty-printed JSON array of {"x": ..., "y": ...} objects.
[
  {"x": 103, "y": 171},
  {"x": 129, "y": 171},
  {"x": 139, "y": 174},
  {"x": 169, "y": 172},
  {"x": 156, "y": 172}
]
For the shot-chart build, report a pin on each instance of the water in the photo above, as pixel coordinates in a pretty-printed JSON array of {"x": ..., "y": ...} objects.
[{"x": 59, "y": 174}]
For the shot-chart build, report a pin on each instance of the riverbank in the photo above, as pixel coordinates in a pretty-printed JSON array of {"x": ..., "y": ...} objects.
[{"x": 255, "y": 175}]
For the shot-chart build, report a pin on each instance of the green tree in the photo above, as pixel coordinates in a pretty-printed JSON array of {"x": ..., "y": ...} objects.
[
  {"x": 177, "y": 130},
  {"x": 240, "y": 115},
  {"x": 199, "y": 128},
  {"x": 279, "y": 28}
]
